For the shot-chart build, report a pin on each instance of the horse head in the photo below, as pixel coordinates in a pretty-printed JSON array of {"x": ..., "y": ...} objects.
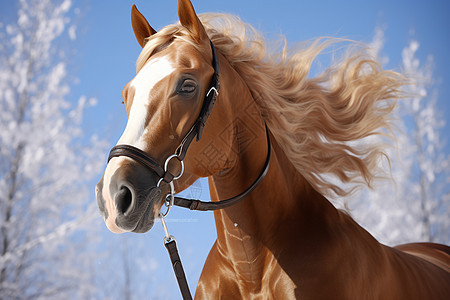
[{"x": 164, "y": 104}]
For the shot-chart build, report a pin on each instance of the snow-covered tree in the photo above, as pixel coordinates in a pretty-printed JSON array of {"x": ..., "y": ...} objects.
[
  {"x": 45, "y": 161},
  {"x": 414, "y": 206},
  {"x": 430, "y": 171}
]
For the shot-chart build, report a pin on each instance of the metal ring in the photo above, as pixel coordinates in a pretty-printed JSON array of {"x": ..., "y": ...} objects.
[
  {"x": 159, "y": 182},
  {"x": 213, "y": 89},
  {"x": 169, "y": 203},
  {"x": 172, "y": 198},
  {"x": 166, "y": 165},
  {"x": 167, "y": 211}
]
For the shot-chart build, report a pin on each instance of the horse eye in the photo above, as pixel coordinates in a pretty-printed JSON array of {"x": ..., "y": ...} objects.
[{"x": 188, "y": 86}]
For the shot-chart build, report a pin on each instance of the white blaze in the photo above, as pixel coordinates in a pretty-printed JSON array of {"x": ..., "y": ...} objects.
[{"x": 152, "y": 73}]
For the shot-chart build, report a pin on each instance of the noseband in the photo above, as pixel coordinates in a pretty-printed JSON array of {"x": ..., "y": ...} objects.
[{"x": 166, "y": 176}]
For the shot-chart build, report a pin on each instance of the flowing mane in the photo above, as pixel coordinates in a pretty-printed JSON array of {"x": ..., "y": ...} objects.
[{"x": 314, "y": 120}]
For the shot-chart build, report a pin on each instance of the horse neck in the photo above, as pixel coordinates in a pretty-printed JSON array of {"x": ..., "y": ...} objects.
[{"x": 283, "y": 203}]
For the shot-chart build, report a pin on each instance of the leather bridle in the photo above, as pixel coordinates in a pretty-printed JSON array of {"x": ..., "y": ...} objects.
[
  {"x": 180, "y": 153},
  {"x": 195, "y": 132}
]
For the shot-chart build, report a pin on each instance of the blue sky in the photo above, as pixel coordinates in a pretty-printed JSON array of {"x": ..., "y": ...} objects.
[
  {"x": 105, "y": 53},
  {"x": 106, "y": 48}
]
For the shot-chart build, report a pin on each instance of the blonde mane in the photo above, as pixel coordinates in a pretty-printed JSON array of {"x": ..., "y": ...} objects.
[{"x": 315, "y": 120}]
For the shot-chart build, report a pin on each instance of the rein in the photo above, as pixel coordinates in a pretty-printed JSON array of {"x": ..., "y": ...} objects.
[{"x": 166, "y": 176}]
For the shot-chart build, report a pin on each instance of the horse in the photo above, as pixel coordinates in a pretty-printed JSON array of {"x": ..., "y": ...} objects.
[{"x": 283, "y": 239}]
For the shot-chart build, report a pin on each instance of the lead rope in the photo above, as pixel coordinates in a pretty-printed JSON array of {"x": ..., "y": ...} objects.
[
  {"x": 171, "y": 245},
  {"x": 169, "y": 240}
]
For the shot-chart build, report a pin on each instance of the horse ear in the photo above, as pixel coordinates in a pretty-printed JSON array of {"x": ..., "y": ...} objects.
[
  {"x": 140, "y": 26},
  {"x": 189, "y": 20}
]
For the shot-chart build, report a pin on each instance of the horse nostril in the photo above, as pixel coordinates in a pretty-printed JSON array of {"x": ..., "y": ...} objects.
[{"x": 124, "y": 199}]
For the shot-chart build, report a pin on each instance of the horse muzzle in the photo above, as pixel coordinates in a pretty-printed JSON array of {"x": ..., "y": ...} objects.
[{"x": 128, "y": 196}]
